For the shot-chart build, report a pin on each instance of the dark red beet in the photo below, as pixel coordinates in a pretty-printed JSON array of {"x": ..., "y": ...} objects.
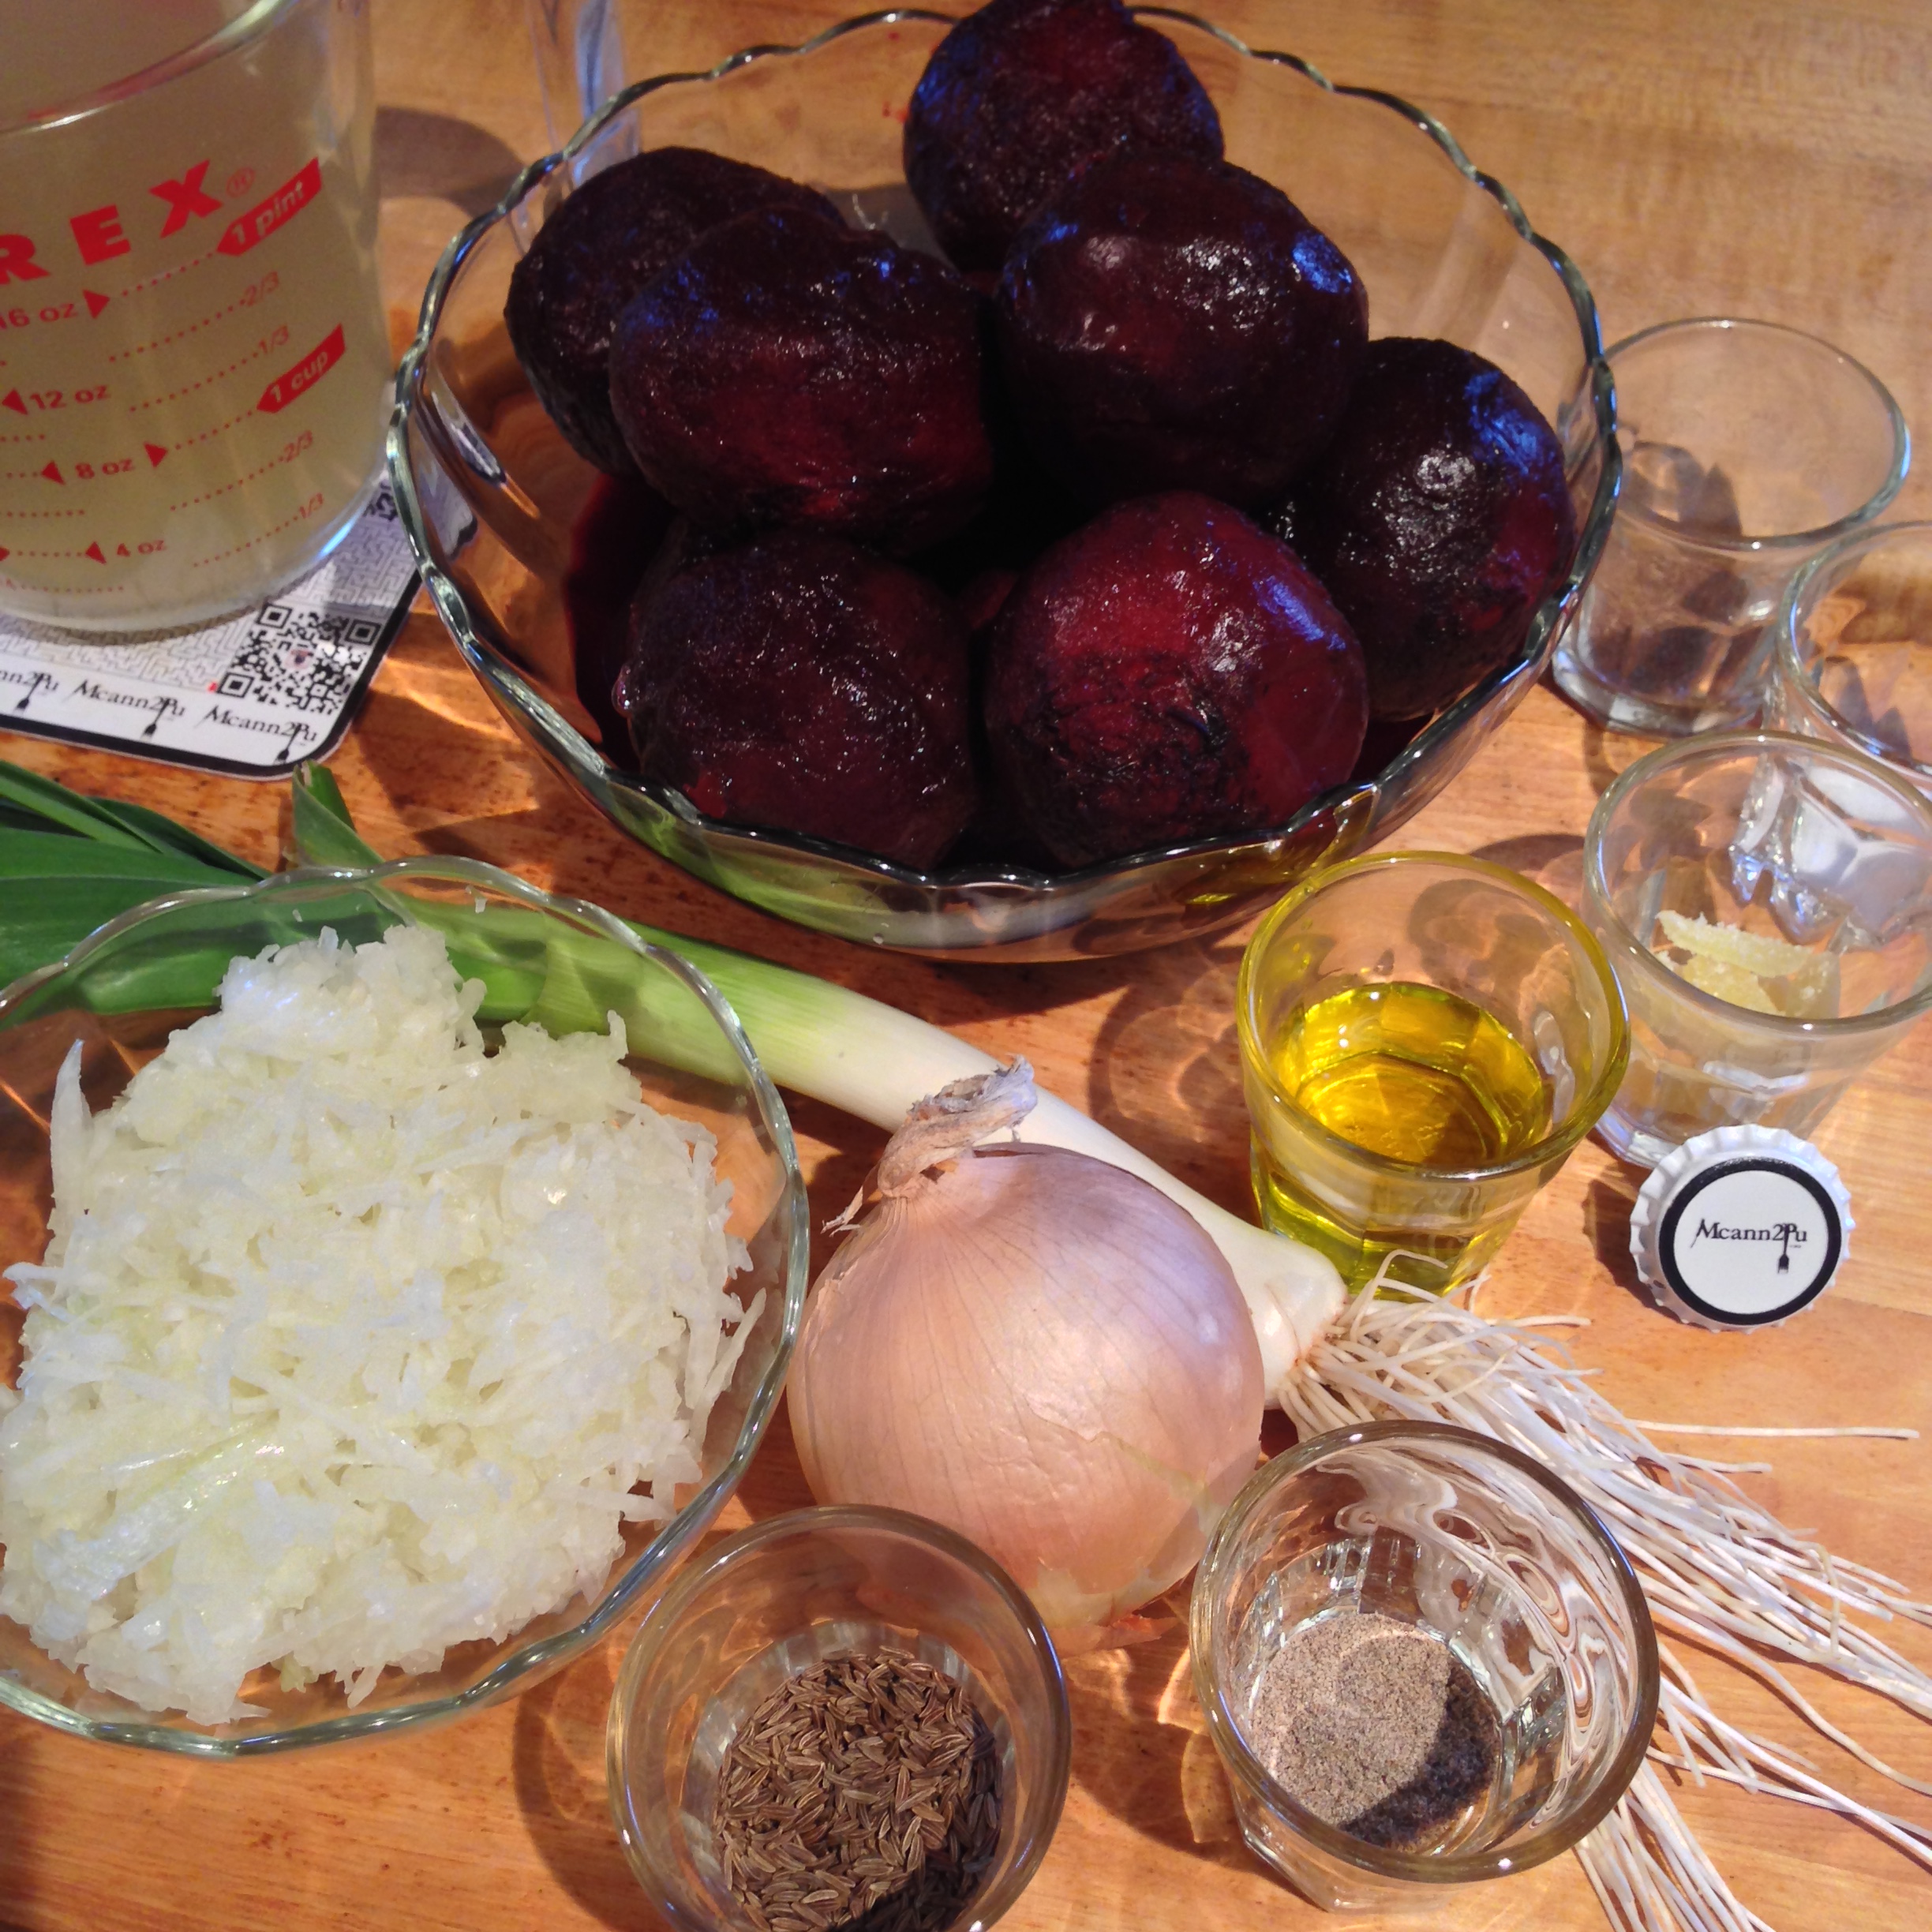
[
  {"x": 1170, "y": 672},
  {"x": 624, "y": 526},
  {"x": 1021, "y": 95},
  {"x": 1171, "y": 323},
  {"x": 1439, "y": 519},
  {"x": 800, "y": 683},
  {"x": 620, "y": 230},
  {"x": 789, "y": 371}
]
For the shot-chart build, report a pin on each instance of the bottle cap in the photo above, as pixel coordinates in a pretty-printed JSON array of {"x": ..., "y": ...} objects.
[{"x": 1740, "y": 1228}]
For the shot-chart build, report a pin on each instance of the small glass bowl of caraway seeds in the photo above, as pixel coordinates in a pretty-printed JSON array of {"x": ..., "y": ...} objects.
[
  {"x": 838, "y": 1718},
  {"x": 1424, "y": 1662}
]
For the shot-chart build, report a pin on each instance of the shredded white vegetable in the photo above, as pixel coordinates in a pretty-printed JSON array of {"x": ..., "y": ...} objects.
[{"x": 353, "y": 1341}]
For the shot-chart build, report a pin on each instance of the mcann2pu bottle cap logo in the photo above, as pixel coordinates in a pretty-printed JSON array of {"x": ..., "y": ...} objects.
[{"x": 1740, "y": 1228}]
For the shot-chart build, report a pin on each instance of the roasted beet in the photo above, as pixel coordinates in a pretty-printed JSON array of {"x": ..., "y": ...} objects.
[
  {"x": 1021, "y": 95},
  {"x": 1439, "y": 519},
  {"x": 1172, "y": 324},
  {"x": 620, "y": 230},
  {"x": 789, "y": 371},
  {"x": 1169, "y": 673},
  {"x": 800, "y": 683}
]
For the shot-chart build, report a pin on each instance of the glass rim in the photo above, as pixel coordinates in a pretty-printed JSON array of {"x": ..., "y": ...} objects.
[
  {"x": 1726, "y": 744},
  {"x": 1584, "y": 1111},
  {"x": 1423, "y": 1868},
  {"x": 664, "y": 1616},
  {"x": 1860, "y": 518},
  {"x": 252, "y": 21},
  {"x": 1795, "y": 606}
]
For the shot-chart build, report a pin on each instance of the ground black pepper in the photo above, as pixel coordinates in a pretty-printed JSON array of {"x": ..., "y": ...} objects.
[{"x": 1375, "y": 1726}]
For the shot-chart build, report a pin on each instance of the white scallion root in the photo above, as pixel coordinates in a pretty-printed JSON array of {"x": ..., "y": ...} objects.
[{"x": 1717, "y": 1569}]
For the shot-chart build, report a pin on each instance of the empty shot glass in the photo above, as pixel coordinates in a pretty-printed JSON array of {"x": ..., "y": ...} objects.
[
  {"x": 1747, "y": 448},
  {"x": 1853, "y": 658},
  {"x": 1424, "y": 1039},
  {"x": 1767, "y": 901}
]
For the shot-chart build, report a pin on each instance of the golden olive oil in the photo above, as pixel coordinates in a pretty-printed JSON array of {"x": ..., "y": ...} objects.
[
  {"x": 1414, "y": 1074},
  {"x": 1418, "y": 1076}
]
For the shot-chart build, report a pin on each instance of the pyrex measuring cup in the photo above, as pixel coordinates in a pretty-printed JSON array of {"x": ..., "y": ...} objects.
[{"x": 193, "y": 362}]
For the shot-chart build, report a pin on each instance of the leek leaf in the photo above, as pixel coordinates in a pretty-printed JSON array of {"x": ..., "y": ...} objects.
[
  {"x": 29, "y": 803},
  {"x": 325, "y": 835}
]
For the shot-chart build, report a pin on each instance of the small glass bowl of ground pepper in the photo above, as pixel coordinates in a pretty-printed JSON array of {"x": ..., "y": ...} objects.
[
  {"x": 842, "y": 1717},
  {"x": 1423, "y": 1661}
]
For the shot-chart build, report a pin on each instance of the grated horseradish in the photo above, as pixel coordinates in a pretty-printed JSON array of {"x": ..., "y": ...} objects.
[{"x": 352, "y": 1340}]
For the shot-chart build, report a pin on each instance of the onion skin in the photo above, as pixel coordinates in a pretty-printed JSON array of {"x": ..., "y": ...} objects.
[{"x": 1045, "y": 1354}]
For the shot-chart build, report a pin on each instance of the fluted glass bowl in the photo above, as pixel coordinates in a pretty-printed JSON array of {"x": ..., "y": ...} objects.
[
  {"x": 491, "y": 494},
  {"x": 554, "y": 960}
]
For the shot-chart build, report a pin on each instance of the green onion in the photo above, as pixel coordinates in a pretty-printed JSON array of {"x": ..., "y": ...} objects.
[{"x": 89, "y": 860}]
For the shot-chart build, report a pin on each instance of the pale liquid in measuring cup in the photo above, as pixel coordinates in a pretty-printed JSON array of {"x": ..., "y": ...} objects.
[{"x": 193, "y": 362}]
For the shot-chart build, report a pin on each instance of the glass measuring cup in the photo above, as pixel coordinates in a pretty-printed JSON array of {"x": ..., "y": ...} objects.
[{"x": 193, "y": 358}]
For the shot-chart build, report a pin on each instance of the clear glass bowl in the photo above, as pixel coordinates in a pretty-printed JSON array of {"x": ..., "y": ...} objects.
[
  {"x": 125, "y": 988},
  {"x": 1814, "y": 848},
  {"x": 491, "y": 494},
  {"x": 772, "y": 1601},
  {"x": 1477, "y": 1544}
]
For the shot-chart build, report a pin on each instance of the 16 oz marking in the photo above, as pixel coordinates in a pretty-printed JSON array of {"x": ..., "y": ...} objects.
[{"x": 50, "y": 312}]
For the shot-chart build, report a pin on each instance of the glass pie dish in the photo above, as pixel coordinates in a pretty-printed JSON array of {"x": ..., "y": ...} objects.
[
  {"x": 558, "y": 961},
  {"x": 494, "y": 501}
]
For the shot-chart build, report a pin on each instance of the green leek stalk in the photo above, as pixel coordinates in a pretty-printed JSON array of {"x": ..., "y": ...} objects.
[{"x": 67, "y": 863}]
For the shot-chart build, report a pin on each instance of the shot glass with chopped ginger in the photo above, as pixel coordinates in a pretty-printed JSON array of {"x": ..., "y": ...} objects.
[{"x": 1765, "y": 902}]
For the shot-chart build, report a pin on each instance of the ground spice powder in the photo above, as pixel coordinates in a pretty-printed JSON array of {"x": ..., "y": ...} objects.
[
  {"x": 1375, "y": 1726},
  {"x": 862, "y": 1792}
]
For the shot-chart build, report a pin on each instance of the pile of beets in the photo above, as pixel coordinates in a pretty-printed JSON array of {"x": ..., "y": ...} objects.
[{"x": 1111, "y": 532}]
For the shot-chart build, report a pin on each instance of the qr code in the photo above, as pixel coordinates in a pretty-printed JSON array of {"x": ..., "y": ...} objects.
[{"x": 300, "y": 659}]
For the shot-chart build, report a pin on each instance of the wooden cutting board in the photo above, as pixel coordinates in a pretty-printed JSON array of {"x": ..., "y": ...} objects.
[{"x": 1756, "y": 158}]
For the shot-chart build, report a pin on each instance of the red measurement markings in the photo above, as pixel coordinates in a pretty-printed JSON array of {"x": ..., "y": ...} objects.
[
  {"x": 310, "y": 371},
  {"x": 49, "y": 472},
  {"x": 17, "y": 317},
  {"x": 273, "y": 211},
  {"x": 255, "y": 292},
  {"x": 311, "y": 507},
  {"x": 93, "y": 553},
  {"x": 21, "y": 516},
  {"x": 41, "y": 399},
  {"x": 288, "y": 454},
  {"x": 276, "y": 339},
  {"x": 221, "y": 429}
]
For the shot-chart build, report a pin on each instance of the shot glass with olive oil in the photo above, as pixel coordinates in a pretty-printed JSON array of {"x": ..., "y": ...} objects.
[{"x": 1424, "y": 1039}]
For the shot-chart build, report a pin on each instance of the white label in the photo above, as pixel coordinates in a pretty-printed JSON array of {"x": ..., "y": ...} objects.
[
  {"x": 251, "y": 695},
  {"x": 1750, "y": 1240}
]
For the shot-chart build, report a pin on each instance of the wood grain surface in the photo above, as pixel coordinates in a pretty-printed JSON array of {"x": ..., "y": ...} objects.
[{"x": 1754, "y": 158}]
